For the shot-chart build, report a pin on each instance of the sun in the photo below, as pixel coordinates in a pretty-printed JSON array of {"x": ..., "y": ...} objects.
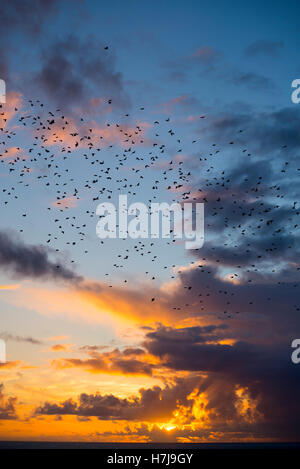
[{"x": 167, "y": 426}]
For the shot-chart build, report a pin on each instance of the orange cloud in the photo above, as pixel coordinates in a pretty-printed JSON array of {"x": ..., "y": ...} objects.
[
  {"x": 57, "y": 337},
  {"x": 168, "y": 106},
  {"x": 10, "y": 364},
  {"x": 11, "y": 152},
  {"x": 10, "y": 287},
  {"x": 66, "y": 202},
  {"x": 73, "y": 135},
  {"x": 59, "y": 348},
  {"x": 128, "y": 304},
  {"x": 131, "y": 361},
  {"x": 114, "y": 306}
]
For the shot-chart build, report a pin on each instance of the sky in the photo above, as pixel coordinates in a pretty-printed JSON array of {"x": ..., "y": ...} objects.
[{"x": 142, "y": 340}]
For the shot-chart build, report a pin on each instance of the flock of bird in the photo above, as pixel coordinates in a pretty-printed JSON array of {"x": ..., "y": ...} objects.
[{"x": 78, "y": 164}]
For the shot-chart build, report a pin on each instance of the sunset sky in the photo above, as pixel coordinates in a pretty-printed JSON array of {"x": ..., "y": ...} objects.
[{"x": 142, "y": 340}]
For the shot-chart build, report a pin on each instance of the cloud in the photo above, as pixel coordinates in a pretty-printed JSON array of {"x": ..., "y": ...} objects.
[
  {"x": 129, "y": 304},
  {"x": 264, "y": 371},
  {"x": 252, "y": 80},
  {"x": 10, "y": 287},
  {"x": 231, "y": 389},
  {"x": 66, "y": 202},
  {"x": 251, "y": 212},
  {"x": 77, "y": 135},
  {"x": 264, "y": 132},
  {"x": 9, "y": 365},
  {"x": 187, "y": 349},
  {"x": 70, "y": 77},
  {"x": 168, "y": 106},
  {"x": 17, "y": 338},
  {"x": 59, "y": 348},
  {"x": 205, "y": 54},
  {"x": 8, "y": 112},
  {"x": 205, "y": 59},
  {"x": 127, "y": 362},
  {"x": 235, "y": 391},
  {"x": 151, "y": 404},
  {"x": 25, "y": 18},
  {"x": 29, "y": 260},
  {"x": 264, "y": 48}
]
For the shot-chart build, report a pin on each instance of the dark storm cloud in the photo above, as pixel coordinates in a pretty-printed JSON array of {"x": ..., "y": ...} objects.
[
  {"x": 262, "y": 250},
  {"x": 29, "y": 260},
  {"x": 24, "y": 17},
  {"x": 73, "y": 72},
  {"x": 151, "y": 404},
  {"x": 7, "y": 406},
  {"x": 265, "y": 370},
  {"x": 191, "y": 335},
  {"x": 266, "y": 294},
  {"x": 264, "y": 133},
  {"x": 264, "y": 48},
  {"x": 187, "y": 353},
  {"x": 251, "y": 209},
  {"x": 252, "y": 217}
]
